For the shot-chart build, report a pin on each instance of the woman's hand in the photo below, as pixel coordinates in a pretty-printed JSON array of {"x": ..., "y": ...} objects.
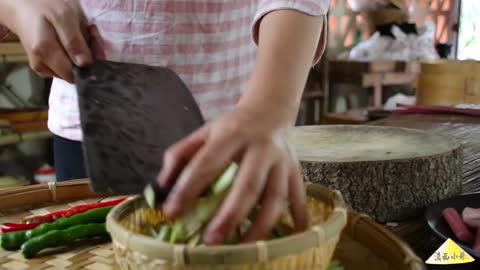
[
  {"x": 51, "y": 31},
  {"x": 252, "y": 135},
  {"x": 269, "y": 175}
]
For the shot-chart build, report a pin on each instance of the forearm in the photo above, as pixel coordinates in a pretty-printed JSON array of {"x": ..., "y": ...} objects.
[
  {"x": 7, "y": 13},
  {"x": 287, "y": 44}
]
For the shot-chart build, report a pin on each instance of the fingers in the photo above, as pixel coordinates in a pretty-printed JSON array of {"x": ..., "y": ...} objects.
[
  {"x": 97, "y": 44},
  {"x": 297, "y": 198},
  {"x": 206, "y": 165},
  {"x": 68, "y": 29},
  {"x": 46, "y": 55},
  {"x": 272, "y": 204},
  {"x": 43, "y": 71},
  {"x": 178, "y": 155},
  {"x": 248, "y": 186}
]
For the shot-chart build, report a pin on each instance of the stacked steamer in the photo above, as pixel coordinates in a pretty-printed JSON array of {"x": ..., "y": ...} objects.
[
  {"x": 312, "y": 249},
  {"x": 388, "y": 173},
  {"x": 449, "y": 82}
]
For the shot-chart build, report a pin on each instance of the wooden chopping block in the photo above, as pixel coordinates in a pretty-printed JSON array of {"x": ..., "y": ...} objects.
[{"x": 388, "y": 173}]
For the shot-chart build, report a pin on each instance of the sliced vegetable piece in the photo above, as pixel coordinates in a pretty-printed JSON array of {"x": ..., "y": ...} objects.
[
  {"x": 179, "y": 233},
  {"x": 195, "y": 218},
  {"x": 282, "y": 230},
  {"x": 225, "y": 180},
  {"x": 164, "y": 232},
  {"x": 195, "y": 240},
  {"x": 335, "y": 265},
  {"x": 149, "y": 194},
  {"x": 152, "y": 232}
]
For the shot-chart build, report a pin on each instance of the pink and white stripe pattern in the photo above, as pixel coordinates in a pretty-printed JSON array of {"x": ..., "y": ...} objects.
[{"x": 209, "y": 43}]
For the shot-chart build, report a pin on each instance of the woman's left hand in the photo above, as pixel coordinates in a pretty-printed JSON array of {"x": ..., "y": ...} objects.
[{"x": 269, "y": 174}]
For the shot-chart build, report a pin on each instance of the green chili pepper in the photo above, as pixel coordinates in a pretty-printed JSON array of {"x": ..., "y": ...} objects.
[
  {"x": 14, "y": 240},
  {"x": 56, "y": 238}
]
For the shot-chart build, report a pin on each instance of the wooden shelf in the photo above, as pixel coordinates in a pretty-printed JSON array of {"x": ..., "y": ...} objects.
[
  {"x": 14, "y": 138},
  {"x": 12, "y": 52}
]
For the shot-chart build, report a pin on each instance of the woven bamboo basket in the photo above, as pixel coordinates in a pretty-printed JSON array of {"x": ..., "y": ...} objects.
[
  {"x": 449, "y": 82},
  {"x": 312, "y": 249},
  {"x": 363, "y": 244}
]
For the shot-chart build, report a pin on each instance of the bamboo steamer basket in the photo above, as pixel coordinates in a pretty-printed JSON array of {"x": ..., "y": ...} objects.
[
  {"x": 312, "y": 249},
  {"x": 363, "y": 244},
  {"x": 449, "y": 82}
]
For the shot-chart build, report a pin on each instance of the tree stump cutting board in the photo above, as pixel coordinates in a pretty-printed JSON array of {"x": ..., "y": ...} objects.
[{"x": 388, "y": 173}]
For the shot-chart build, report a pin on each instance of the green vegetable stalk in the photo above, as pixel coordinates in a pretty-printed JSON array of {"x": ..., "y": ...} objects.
[
  {"x": 193, "y": 220},
  {"x": 164, "y": 232},
  {"x": 14, "y": 240},
  {"x": 335, "y": 265},
  {"x": 56, "y": 238}
]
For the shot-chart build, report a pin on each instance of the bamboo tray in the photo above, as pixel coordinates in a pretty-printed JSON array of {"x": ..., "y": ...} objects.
[{"x": 363, "y": 245}]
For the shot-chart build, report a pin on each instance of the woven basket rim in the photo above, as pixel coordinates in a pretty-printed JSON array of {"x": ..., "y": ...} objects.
[
  {"x": 11, "y": 198},
  {"x": 233, "y": 254}
]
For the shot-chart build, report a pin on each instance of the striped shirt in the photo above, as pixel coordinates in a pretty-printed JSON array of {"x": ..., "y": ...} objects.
[{"x": 210, "y": 44}]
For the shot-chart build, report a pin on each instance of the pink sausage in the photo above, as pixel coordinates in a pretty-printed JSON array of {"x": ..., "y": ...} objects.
[{"x": 457, "y": 225}]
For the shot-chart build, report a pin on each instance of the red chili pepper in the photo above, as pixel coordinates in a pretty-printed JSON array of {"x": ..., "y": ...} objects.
[
  {"x": 11, "y": 227},
  {"x": 70, "y": 212}
]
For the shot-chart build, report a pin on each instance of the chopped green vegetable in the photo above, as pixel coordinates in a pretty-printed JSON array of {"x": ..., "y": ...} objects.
[
  {"x": 164, "y": 232},
  {"x": 282, "y": 230},
  {"x": 56, "y": 238},
  {"x": 335, "y": 265},
  {"x": 179, "y": 233},
  {"x": 195, "y": 240},
  {"x": 193, "y": 220},
  {"x": 153, "y": 233},
  {"x": 149, "y": 195},
  {"x": 225, "y": 180}
]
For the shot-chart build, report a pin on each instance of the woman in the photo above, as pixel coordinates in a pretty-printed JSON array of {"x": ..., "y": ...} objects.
[{"x": 250, "y": 94}]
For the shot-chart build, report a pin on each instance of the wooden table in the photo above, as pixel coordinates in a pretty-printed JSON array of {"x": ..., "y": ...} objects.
[{"x": 466, "y": 130}]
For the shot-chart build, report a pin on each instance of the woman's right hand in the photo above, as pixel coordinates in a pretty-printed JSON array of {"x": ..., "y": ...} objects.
[{"x": 51, "y": 33}]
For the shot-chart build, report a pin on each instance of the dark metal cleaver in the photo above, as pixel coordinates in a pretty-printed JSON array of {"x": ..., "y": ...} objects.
[{"x": 130, "y": 114}]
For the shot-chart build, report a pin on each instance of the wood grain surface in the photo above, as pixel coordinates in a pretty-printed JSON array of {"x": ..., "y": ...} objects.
[{"x": 377, "y": 169}]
